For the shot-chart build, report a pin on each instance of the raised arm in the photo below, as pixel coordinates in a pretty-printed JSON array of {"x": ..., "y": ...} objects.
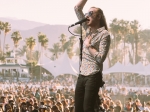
[
  {"x": 78, "y": 10},
  {"x": 81, "y": 4}
]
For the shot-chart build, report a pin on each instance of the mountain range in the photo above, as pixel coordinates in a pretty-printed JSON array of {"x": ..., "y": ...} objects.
[{"x": 31, "y": 28}]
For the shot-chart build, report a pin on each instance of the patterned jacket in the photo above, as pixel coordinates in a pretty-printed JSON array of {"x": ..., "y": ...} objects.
[{"x": 101, "y": 42}]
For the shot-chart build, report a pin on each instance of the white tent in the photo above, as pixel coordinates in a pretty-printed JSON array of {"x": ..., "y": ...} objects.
[
  {"x": 147, "y": 70},
  {"x": 129, "y": 68},
  {"x": 51, "y": 67},
  {"x": 75, "y": 63},
  {"x": 139, "y": 68},
  {"x": 118, "y": 67},
  {"x": 60, "y": 66},
  {"x": 65, "y": 67}
]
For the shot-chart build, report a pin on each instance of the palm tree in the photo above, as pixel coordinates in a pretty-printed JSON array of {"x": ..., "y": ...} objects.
[
  {"x": 135, "y": 26},
  {"x": 145, "y": 43},
  {"x": 63, "y": 41},
  {"x": 68, "y": 46},
  {"x": 21, "y": 51},
  {"x": 77, "y": 30},
  {"x": 1, "y": 29},
  {"x": 114, "y": 29},
  {"x": 43, "y": 40},
  {"x": 7, "y": 54},
  {"x": 7, "y": 28},
  {"x": 72, "y": 41},
  {"x": 30, "y": 42},
  {"x": 130, "y": 40},
  {"x": 77, "y": 51},
  {"x": 7, "y": 47},
  {"x": 124, "y": 30},
  {"x": 16, "y": 36},
  {"x": 55, "y": 51}
]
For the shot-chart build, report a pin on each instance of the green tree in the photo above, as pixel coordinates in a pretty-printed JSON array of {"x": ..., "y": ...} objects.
[
  {"x": 7, "y": 54},
  {"x": 30, "y": 42},
  {"x": 144, "y": 39},
  {"x": 7, "y": 28},
  {"x": 134, "y": 30},
  {"x": 55, "y": 51},
  {"x": 77, "y": 30},
  {"x": 1, "y": 29},
  {"x": 130, "y": 40},
  {"x": 21, "y": 51},
  {"x": 63, "y": 40},
  {"x": 72, "y": 41},
  {"x": 123, "y": 31},
  {"x": 114, "y": 29},
  {"x": 43, "y": 40},
  {"x": 16, "y": 36}
]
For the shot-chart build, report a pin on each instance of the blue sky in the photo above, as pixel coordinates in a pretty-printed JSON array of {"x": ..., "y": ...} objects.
[{"x": 62, "y": 11}]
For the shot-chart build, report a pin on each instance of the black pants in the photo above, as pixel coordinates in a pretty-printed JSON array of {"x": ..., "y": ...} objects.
[{"x": 86, "y": 92}]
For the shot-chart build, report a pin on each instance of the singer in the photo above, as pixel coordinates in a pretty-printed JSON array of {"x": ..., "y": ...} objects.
[{"x": 95, "y": 48}]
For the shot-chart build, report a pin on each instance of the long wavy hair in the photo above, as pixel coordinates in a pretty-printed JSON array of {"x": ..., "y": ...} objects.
[{"x": 103, "y": 22}]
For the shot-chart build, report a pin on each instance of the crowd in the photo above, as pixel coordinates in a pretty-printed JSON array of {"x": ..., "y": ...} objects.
[
  {"x": 23, "y": 97},
  {"x": 128, "y": 79},
  {"x": 57, "y": 95}
]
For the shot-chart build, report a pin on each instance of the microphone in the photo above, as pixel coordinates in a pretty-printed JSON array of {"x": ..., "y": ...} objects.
[{"x": 79, "y": 22}]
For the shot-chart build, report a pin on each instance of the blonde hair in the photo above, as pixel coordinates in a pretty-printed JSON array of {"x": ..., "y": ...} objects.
[{"x": 103, "y": 22}]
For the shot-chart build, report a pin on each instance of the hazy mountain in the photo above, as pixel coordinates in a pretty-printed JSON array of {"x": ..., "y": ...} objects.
[
  {"x": 20, "y": 24},
  {"x": 31, "y": 28},
  {"x": 53, "y": 32}
]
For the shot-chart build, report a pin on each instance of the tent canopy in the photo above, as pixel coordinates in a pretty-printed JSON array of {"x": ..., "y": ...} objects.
[
  {"x": 61, "y": 66},
  {"x": 129, "y": 68},
  {"x": 118, "y": 67}
]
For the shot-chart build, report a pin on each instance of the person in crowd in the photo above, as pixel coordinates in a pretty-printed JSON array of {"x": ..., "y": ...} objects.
[
  {"x": 128, "y": 107},
  {"x": 8, "y": 108},
  {"x": 55, "y": 109},
  {"x": 130, "y": 100},
  {"x": 37, "y": 94},
  {"x": 147, "y": 107},
  {"x": 51, "y": 91},
  {"x": 118, "y": 107},
  {"x": 138, "y": 105},
  {"x": 3, "y": 102},
  {"x": 60, "y": 106},
  {"x": 64, "y": 103},
  {"x": 30, "y": 108},
  {"x": 23, "y": 107},
  {"x": 111, "y": 109},
  {"x": 36, "y": 108}
]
